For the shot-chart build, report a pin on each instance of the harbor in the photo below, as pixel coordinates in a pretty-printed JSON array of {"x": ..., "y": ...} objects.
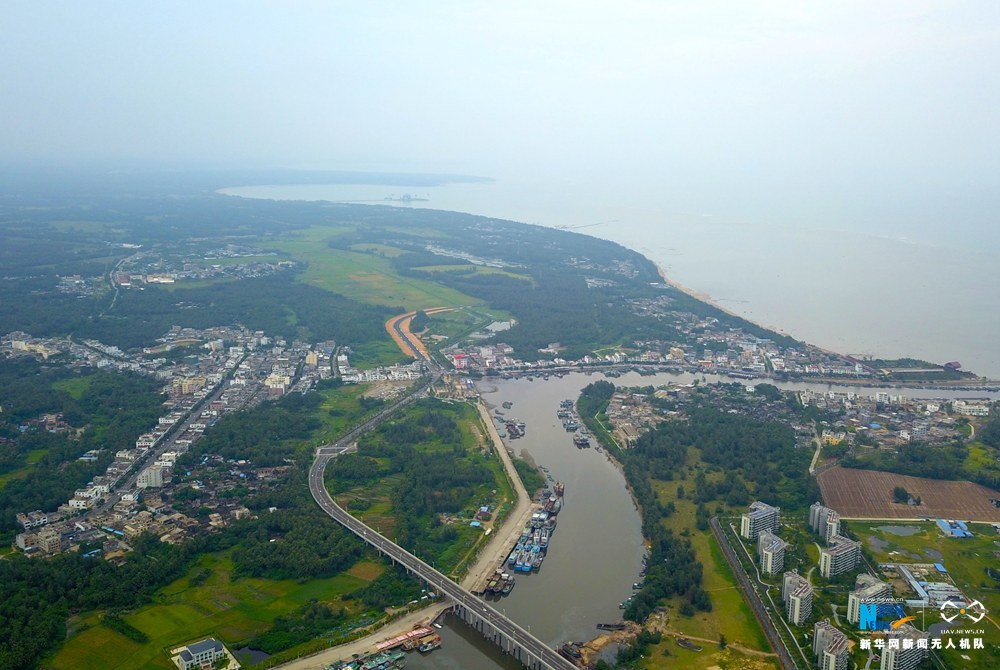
[{"x": 390, "y": 654}]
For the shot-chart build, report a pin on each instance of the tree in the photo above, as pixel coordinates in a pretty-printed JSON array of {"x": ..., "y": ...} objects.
[
  {"x": 900, "y": 495},
  {"x": 722, "y": 641}
]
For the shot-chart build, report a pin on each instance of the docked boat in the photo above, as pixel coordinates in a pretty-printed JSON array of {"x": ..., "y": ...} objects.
[
  {"x": 570, "y": 651},
  {"x": 507, "y": 404},
  {"x": 559, "y": 488},
  {"x": 429, "y": 645},
  {"x": 384, "y": 661},
  {"x": 581, "y": 441}
]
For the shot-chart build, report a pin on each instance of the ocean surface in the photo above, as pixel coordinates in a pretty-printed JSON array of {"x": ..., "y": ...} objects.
[{"x": 891, "y": 277}]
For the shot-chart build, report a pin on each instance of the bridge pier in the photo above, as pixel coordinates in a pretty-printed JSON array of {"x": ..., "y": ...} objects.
[{"x": 486, "y": 628}]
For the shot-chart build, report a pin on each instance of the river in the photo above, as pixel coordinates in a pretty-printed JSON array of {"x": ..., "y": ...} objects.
[{"x": 595, "y": 553}]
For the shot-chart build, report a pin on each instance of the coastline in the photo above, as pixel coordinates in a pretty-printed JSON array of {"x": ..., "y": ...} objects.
[
  {"x": 700, "y": 296},
  {"x": 697, "y": 295}
]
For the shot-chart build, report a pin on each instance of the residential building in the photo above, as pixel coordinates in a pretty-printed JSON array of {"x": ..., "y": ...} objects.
[
  {"x": 797, "y": 595},
  {"x": 151, "y": 478},
  {"x": 760, "y": 516},
  {"x": 823, "y": 520},
  {"x": 831, "y": 647},
  {"x": 867, "y": 589},
  {"x": 199, "y": 654},
  {"x": 771, "y": 552},
  {"x": 50, "y": 540},
  {"x": 841, "y": 556},
  {"x": 905, "y": 648}
]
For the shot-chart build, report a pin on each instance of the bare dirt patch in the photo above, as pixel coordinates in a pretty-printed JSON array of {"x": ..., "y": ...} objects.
[{"x": 867, "y": 494}]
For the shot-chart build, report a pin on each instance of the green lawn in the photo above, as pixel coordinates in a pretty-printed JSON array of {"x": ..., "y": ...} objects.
[
  {"x": 366, "y": 277},
  {"x": 232, "y": 611},
  {"x": 74, "y": 386},
  {"x": 30, "y": 459}
]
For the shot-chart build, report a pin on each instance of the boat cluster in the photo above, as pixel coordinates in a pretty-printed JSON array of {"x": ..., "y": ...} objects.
[
  {"x": 531, "y": 547},
  {"x": 571, "y": 422}
]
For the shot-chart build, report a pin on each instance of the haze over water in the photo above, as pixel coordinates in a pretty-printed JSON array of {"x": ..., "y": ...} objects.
[{"x": 913, "y": 277}]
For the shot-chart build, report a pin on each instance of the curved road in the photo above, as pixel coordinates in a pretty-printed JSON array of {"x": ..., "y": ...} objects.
[{"x": 436, "y": 580}]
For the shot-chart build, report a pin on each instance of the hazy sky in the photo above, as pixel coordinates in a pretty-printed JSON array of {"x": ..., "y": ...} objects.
[{"x": 866, "y": 94}]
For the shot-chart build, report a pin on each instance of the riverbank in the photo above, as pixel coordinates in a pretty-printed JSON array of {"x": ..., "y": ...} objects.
[{"x": 488, "y": 558}]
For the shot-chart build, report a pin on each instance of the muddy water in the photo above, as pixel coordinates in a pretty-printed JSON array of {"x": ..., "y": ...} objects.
[{"x": 595, "y": 554}]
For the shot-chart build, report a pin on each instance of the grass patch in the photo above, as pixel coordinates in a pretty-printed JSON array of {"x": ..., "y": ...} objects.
[
  {"x": 474, "y": 269},
  {"x": 378, "y": 249},
  {"x": 378, "y": 353},
  {"x": 30, "y": 459},
  {"x": 730, "y": 615},
  {"x": 363, "y": 276},
  {"x": 342, "y": 409},
  {"x": 76, "y": 386},
  {"x": 232, "y": 611}
]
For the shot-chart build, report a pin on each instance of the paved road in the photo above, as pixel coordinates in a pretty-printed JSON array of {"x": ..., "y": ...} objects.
[
  {"x": 504, "y": 536},
  {"x": 436, "y": 580}
]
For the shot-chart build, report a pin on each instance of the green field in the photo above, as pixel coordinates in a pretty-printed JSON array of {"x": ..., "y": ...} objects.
[
  {"x": 366, "y": 277},
  {"x": 74, "y": 386},
  {"x": 730, "y": 616},
  {"x": 95, "y": 227},
  {"x": 378, "y": 249},
  {"x": 232, "y": 611},
  {"x": 30, "y": 459},
  {"x": 341, "y": 409},
  {"x": 475, "y": 269},
  {"x": 459, "y": 323}
]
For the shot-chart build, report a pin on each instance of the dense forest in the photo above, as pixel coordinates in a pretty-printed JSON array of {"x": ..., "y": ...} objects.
[
  {"x": 276, "y": 304},
  {"x": 432, "y": 473},
  {"x": 760, "y": 461},
  {"x": 265, "y": 436}
]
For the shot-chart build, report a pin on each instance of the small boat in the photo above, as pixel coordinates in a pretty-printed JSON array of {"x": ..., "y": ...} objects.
[{"x": 430, "y": 645}]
